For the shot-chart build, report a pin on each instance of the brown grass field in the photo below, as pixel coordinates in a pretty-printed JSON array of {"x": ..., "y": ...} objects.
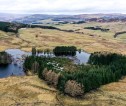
[
  {"x": 31, "y": 91},
  {"x": 48, "y": 39}
]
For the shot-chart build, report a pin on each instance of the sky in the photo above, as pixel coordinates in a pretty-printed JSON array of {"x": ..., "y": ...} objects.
[{"x": 62, "y": 6}]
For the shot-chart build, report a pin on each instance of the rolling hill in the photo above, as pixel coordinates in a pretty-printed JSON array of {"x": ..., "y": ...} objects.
[
  {"x": 70, "y": 18},
  {"x": 10, "y": 17}
]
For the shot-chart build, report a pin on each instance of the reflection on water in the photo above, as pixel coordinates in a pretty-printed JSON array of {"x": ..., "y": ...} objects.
[
  {"x": 82, "y": 57},
  {"x": 18, "y": 57},
  {"x": 9, "y": 70},
  {"x": 16, "y": 67}
]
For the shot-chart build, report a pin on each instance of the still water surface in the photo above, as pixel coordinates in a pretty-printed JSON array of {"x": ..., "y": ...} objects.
[{"x": 18, "y": 56}]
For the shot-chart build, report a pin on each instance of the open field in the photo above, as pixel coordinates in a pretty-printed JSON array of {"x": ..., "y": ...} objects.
[
  {"x": 31, "y": 91},
  {"x": 113, "y": 26},
  {"x": 48, "y": 39}
]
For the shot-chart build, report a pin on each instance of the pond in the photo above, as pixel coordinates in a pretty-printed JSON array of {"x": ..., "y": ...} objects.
[
  {"x": 16, "y": 67},
  {"x": 18, "y": 57},
  {"x": 82, "y": 57}
]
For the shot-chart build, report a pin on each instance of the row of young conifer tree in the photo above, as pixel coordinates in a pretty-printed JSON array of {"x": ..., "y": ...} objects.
[{"x": 102, "y": 68}]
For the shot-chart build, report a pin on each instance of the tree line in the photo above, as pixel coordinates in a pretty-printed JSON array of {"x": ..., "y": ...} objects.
[
  {"x": 97, "y": 28},
  {"x": 11, "y": 27},
  {"x": 102, "y": 68},
  {"x": 14, "y": 27}
]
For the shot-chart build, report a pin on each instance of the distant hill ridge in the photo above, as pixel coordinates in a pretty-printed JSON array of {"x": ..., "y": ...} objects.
[
  {"x": 82, "y": 17},
  {"x": 31, "y": 18}
]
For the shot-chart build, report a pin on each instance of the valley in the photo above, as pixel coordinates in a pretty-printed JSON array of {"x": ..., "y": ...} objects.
[
  {"x": 36, "y": 92},
  {"x": 62, "y": 53}
]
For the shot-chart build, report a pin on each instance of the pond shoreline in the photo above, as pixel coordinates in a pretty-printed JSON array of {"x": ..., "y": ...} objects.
[{"x": 18, "y": 56}]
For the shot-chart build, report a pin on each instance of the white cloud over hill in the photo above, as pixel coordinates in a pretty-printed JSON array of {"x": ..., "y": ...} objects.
[{"x": 63, "y": 6}]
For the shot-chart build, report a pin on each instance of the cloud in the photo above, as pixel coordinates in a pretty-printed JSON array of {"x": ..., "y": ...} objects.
[{"x": 63, "y": 6}]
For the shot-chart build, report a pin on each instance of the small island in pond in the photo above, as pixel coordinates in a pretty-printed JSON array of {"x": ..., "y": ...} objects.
[{"x": 5, "y": 58}]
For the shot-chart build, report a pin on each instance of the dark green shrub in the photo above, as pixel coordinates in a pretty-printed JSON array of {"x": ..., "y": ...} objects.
[
  {"x": 5, "y": 58},
  {"x": 65, "y": 50}
]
